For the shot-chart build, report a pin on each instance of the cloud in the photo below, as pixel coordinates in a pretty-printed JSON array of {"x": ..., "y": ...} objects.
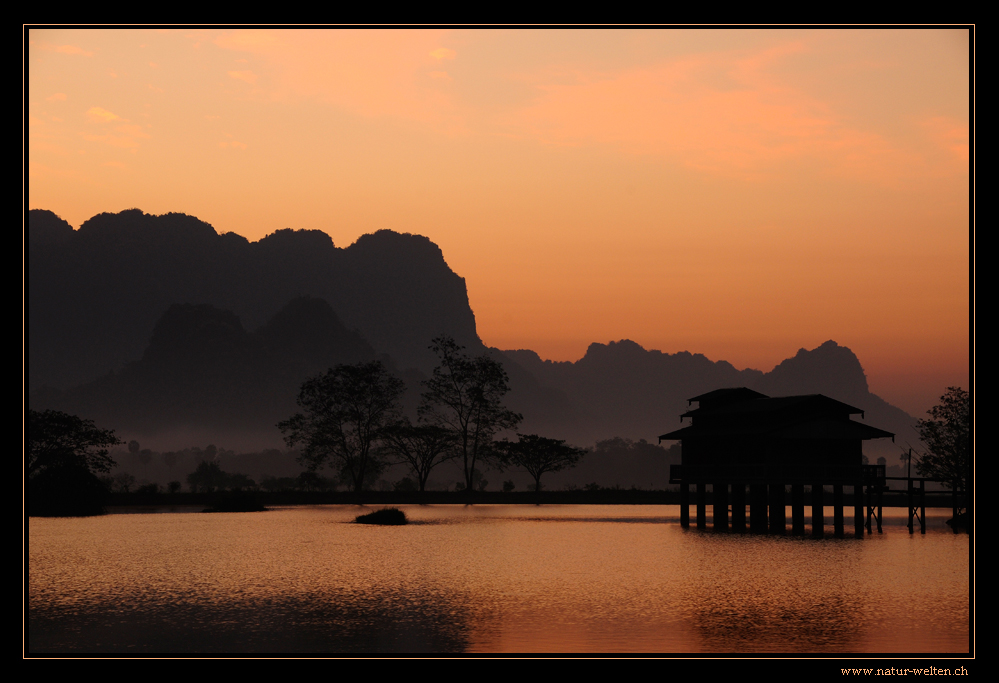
[
  {"x": 724, "y": 113},
  {"x": 951, "y": 135},
  {"x": 56, "y": 97},
  {"x": 72, "y": 50},
  {"x": 99, "y": 115},
  {"x": 246, "y": 76},
  {"x": 443, "y": 53},
  {"x": 123, "y": 137},
  {"x": 376, "y": 73},
  {"x": 249, "y": 39}
]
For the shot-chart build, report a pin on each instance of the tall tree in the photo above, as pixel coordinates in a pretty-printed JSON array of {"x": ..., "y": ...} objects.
[
  {"x": 345, "y": 411},
  {"x": 538, "y": 455},
  {"x": 465, "y": 397},
  {"x": 947, "y": 437},
  {"x": 422, "y": 447}
]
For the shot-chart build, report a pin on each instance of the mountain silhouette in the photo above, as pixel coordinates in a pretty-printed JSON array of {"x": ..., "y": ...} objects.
[
  {"x": 830, "y": 369},
  {"x": 622, "y": 389},
  {"x": 203, "y": 370},
  {"x": 94, "y": 294},
  {"x": 140, "y": 322}
]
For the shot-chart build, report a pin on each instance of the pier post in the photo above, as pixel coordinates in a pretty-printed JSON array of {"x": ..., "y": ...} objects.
[
  {"x": 879, "y": 495},
  {"x": 701, "y": 502},
  {"x": 870, "y": 506},
  {"x": 778, "y": 517},
  {"x": 719, "y": 505},
  {"x": 758, "y": 508},
  {"x": 684, "y": 504},
  {"x": 838, "y": 510},
  {"x": 909, "y": 496},
  {"x": 922, "y": 506},
  {"x": 858, "y": 509},
  {"x": 818, "y": 519},
  {"x": 739, "y": 507},
  {"x": 953, "y": 504},
  {"x": 797, "y": 509}
]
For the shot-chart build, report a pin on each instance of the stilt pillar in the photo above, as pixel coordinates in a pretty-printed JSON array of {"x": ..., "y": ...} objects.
[
  {"x": 879, "y": 495},
  {"x": 684, "y": 505},
  {"x": 778, "y": 517},
  {"x": 758, "y": 508},
  {"x": 838, "y": 510},
  {"x": 739, "y": 507},
  {"x": 909, "y": 501},
  {"x": 818, "y": 518},
  {"x": 702, "y": 496},
  {"x": 858, "y": 510},
  {"x": 870, "y": 506},
  {"x": 719, "y": 505},
  {"x": 922, "y": 506},
  {"x": 797, "y": 509}
]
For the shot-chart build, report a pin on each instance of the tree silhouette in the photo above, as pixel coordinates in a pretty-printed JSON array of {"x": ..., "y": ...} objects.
[
  {"x": 422, "y": 447},
  {"x": 464, "y": 396},
  {"x": 538, "y": 455},
  {"x": 947, "y": 437},
  {"x": 63, "y": 456},
  {"x": 207, "y": 478},
  {"x": 56, "y": 439},
  {"x": 345, "y": 412}
]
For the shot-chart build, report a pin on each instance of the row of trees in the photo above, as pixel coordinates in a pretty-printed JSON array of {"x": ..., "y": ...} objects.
[{"x": 351, "y": 419}]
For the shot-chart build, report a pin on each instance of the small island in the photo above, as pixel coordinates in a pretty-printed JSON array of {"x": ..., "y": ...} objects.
[{"x": 384, "y": 517}]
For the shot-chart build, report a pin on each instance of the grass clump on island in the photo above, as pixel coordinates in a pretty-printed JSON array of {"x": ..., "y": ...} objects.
[{"x": 385, "y": 517}]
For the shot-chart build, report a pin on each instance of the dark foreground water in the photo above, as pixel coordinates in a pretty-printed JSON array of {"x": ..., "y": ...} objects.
[{"x": 486, "y": 579}]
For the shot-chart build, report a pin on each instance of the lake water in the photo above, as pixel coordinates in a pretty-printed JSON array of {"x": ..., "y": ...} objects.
[{"x": 487, "y": 579}]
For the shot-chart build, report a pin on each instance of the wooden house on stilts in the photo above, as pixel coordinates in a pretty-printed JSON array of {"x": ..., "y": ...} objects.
[{"x": 750, "y": 448}]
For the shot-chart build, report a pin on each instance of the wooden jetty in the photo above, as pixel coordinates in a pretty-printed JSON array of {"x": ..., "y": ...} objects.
[{"x": 752, "y": 450}]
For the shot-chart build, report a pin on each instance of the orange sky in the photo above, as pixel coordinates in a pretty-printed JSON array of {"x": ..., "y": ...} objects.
[{"x": 738, "y": 193}]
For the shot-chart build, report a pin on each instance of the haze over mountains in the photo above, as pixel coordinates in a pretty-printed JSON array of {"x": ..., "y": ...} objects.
[{"x": 158, "y": 325}]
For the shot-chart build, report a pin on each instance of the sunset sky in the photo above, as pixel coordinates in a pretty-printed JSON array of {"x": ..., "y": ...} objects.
[{"x": 737, "y": 193}]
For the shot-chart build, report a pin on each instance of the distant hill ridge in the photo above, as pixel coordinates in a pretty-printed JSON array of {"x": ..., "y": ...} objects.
[
  {"x": 138, "y": 321},
  {"x": 623, "y": 389}
]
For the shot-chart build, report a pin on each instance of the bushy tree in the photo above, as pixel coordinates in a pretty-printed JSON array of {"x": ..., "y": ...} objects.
[
  {"x": 947, "y": 438},
  {"x": 538, "y": 455},
  {"x": 465, "y": 397},
  {"x": 344, "y": 413},
  {"x": 64, "y": 455},
  {"x": 207, "y": 478},
  {"x": 57, "y": 439}
]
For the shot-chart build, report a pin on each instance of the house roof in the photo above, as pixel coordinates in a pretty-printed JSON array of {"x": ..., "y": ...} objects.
[
  {"x": 744, "y": 412},
  {"x": 730, "y": 395},
  {"x": 764, "y": 404}
]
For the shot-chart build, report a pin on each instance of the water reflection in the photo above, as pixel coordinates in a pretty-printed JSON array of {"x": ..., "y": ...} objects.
[{"x": 484, "y": 579}]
